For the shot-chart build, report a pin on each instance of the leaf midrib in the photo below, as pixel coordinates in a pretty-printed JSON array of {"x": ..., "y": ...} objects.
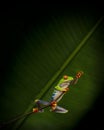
[{"x": 52, "y": 80}]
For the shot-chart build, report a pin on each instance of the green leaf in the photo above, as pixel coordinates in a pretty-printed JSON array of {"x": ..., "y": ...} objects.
[{"x": 63, "y": 45}]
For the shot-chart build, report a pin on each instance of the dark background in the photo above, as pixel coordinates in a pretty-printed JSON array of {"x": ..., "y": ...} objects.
[{"x": 17, "y": 22}]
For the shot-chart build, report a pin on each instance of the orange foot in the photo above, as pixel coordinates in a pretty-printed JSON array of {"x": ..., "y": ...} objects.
[
  {"x": 53, "y": 105},
  {"x": 35, "y": 110}
]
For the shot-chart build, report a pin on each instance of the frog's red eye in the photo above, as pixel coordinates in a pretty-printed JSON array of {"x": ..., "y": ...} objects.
[{"x": 65, "y": 77}]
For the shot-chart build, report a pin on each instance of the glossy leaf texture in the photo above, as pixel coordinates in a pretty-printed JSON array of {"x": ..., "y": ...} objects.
[{"x": 47, "y": 49}]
